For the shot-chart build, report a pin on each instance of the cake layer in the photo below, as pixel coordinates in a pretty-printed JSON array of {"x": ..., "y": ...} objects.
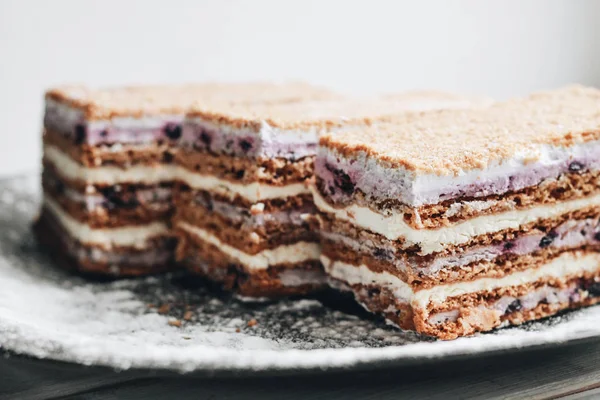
[
  {"x": 156, "y": 256},
  {"x": 114, "y": 155},
  {"x": 249, "y": 229},
  {"x": 484, "y": 263},
  {"x": 501, "y": 308},
  {"x": 329, "y": 224},
  {"x": 568, "y": 186},
  {"x": 392, "y": 225},
  {"x": 280, "y": 281},
  {"x": 111, "y": 206},
  {"x": 283, "y": 271},
  {"x": 469, "y": 153},
  {"x": 496, "y": 258},
  {"x": 294, "y": 253},
  {"x": 81, "y": 176},
  {"x": 450, "y": 310},
  {"x": 509, "y": 306},
  {"x": 273, "y": 171},
  {"x": 137, "y": 236},
  {"x": 238, "y": 208},
  {"x": 565, "y": 264}
]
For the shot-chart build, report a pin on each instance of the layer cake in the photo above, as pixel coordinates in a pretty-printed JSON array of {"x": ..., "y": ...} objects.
[
  {"x": 462, "y": 221},
  {"x": 109, "y": 172}
]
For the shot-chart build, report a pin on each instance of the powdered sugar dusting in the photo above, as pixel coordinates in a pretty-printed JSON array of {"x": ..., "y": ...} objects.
[{"x": 174, "y": 322}]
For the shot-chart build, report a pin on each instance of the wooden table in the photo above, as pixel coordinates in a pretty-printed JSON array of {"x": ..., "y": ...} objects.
[{"x": 571, "y": 371}]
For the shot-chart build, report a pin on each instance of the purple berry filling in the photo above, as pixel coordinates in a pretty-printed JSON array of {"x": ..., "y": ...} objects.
[
  {"x": 382, "y": 183},
  {"x": 341, "y": 181},
  {"x": 162, "y": 252},
  {"x": 111, "y": 198},
  {"x": 246, "y": 142},
  {"x": 548, "y": 239},
  {"x": 173, "y": 131},
  {"x": 242, "y": 214},
  {"x": 569, "y": 235},
  {"x": 508, "y": 305},
  {"x": 383, "y": 254},
  {"x": 205, "y": 138},
  {"x": 119, "y": 200},
  {"x": 245, "y": 145},
  {"x": 162, "y": 130},
  {"x": 145, "y": 130},
  {"x": 576, "y": 166},
  {"x": 508, "y": 245},
  {"x": 514, "y": 306}
]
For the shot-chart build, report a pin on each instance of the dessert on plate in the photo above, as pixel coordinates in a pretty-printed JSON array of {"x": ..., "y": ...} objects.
[
  {"x": 108, "y": 168},
  {"x": 466, "y": 220}
]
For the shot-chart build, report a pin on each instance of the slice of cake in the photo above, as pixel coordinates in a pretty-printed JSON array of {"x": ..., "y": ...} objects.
[
  {"x": 244, "y": 214},
  {"x": 464, "y": 221},
  {"x": 108, "y": 168}
]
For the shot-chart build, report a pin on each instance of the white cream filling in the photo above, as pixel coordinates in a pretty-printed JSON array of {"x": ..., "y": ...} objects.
[
  {"x": 545, "y": 155},
  {"x": 146, "y": 174},
  {"x": 392, "y": 225},
  {"x": 417, "y": 188},
  {"x": 291, "y": 253},
  {"x": 253, "y": 192},
  {"x": 567, "y": 264},
  {"x": 110, "y": 175},
  {"x": 132, "y": 236}
]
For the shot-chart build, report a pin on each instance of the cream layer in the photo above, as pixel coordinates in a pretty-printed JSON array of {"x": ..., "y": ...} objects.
[
  {"x": 147, "y": 174},
  {"x": 567, "y": 264},
  {"x": 284, "y": 254},
  {"x": 392, "y": 225},
  {"x": 131, "y": 236}
]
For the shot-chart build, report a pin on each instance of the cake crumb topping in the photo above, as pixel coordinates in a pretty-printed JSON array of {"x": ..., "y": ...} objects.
[
  {"x": 329, "y": 114},
  {"x": 449, "y": 142},
  {"x": 137, "y": 101},
  {"x": 252, "y": 323}
]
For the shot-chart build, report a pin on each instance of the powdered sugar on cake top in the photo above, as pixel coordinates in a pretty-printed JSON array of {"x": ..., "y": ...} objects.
[
  {"x": 290, "y": 130},
  {"x": 136, "y": 101}
]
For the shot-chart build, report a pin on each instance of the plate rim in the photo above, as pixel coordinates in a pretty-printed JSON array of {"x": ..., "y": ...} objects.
[
  {"x": 224, "y": 359},
  {"x": 363, "y": 366}
]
